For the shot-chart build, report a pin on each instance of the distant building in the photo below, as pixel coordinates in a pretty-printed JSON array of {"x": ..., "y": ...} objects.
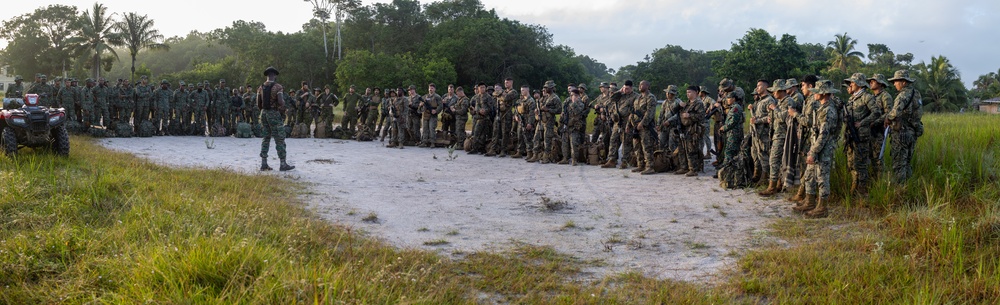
[
  {"x": 6, "y": 79},
  {"x": 990, "y": 106}
]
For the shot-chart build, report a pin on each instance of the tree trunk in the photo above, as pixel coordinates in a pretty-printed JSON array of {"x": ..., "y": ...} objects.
[{"x": 132, "y": 78}]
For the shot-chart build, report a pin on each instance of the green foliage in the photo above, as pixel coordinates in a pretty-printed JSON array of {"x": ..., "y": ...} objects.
[
  {"x": 97, "y": 36},
  {"x": 673, "y": 65},
  {"x": 940, "y": 85},
  {"x": 138, "y": 34},
  {"x": 758, "y": 55},
  {"x": 987, "y": 86},
  {"x": 185, "y": 52},
  {"x": 842, "y": 53},
  {"x": 37, "y": 41}
]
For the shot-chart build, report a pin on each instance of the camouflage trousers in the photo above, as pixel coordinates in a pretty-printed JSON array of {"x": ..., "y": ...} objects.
[
  {"x": 734, "y": 140},
  {"x": 544, "y": 134},
  {"x": 326, "y": 116},
  {"x": 775, "y": 156},
  {"x": 798, "y": 175},
  {"x": 272, "y": 127},
  {"x": 648, "y": 143},
  {"x": 817, "y": 176},
  {"x": 101, "y": 114},
  {"x": 525, "y": 141},
  {"x": 878, "y": 136},
  {"x": 141, "y": 112},
  {"x": 291, "y": 117},
  {"x": 602, "y": 131},
  {"x": 370, "y": 120},
  {"x": 903, "y": 142},
  {"x": 395, "y": 134},
  {"x": 858, "y": 156},
  {"x": 481, "y": 134},
  {"x": 415, "y": 123},
  {"x": 161, "y": 118},
  {"x": 427, "y": 129},
  {"x": 198, "y": 127},
  {"x": 70, "y": 110},
  {"x": 460, "y": 134},
  {"x": 501, "y": 134},
  {"x": 349, "y": 121},
  {"x": 706, "y": 143},
  {"x": 667, "y": 140},
  {"x": 619, "y": 138},
  {"x": 692, "y": 144},
  {"x": 760, "y": 151}
]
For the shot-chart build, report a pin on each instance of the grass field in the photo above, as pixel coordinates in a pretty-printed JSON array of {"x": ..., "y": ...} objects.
[{"x": 107, "y": 227}]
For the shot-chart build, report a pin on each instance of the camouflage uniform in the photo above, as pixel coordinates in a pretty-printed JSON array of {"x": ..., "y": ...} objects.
[
  {"x": 504, "y": 121},
  {"x": 15, "y": 90},
  {"x": 350, "y": 119},
  {"x": 181, "y": 108},
  {"x": 576, "y": 113},
  {"x": 706, "y": 129},
  {"x": 526, "y": 125},
  {"x": 143, "y": 97},
  {"x": 864, "y": 110},
  {"x": 761, "y": 135},
  {"x": 270, "y": 100},
  {"x": 821, "y": 149},
  {"x": 667, "y": 138},
  {"x": 905, "y": 122},
  {"x": 46, "y": 93},
  {"x": 795, "y": 101},
  {"x": 199, "y": 99},
  {"x": 643, "y": 119},
  {"x": 397, "y": 125},
  {"x": 805, "y": 119},
  {"x": 691, "y": 139},
  {"x": 432, "y": 106},
  {"x": 884, "y": 100},
  {"x": 127, "y": 101},
  {"x": 461, "y": 114},
  {"x": 416, "y": 114},
  {"x": 87, "y": 102},
  {"x": 602, "y": 123},
  {"x": 67, "y": 100},
  {"x": 620, "y": 107},
  {"x": 251, "y": 112},
  {"x": 732, "y": 128},
  {"x": 545, "y": 132},
  {"x": 161, "y": 101},
  {"x": 447, "y": 115},
  {"x": 101, "y": 112},
  {"x": 779, "y": 132},
  {"x": 327, "y": 102},
  {"x": 220, "y": 106},
  {"x": 482, "y": 105}
]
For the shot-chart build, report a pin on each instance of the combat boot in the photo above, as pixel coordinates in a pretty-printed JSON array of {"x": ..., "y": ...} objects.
[
  {"x": 771, "y": 189},
  {"x": 819, "y": 211},
  {"x": 544, "y": 159},
  {"x": 516, "y": 155},
  {"x": 648, "y": 171},
  {"x": 691, "y": 173},
  {"x": 502, "y": 154},
  {"x": 638, "y": 169},
  {"x": 799, "y": 195},
  {"x": 532, "y": 157},
  {"x": 680, "y": 171},
  {"x": 573, "y": 163},
  {"x": 609, "y": 164},
  {"x": 285, "y": 167},
  {"x": 756, "y": 175},
  {"x": 564, "y": 161},
  {"x": 263, "y": 165},
  {"x": 806, "y": 205},
  {"x": 624, "y": 165},
  {"x": 490, "y": 154}
]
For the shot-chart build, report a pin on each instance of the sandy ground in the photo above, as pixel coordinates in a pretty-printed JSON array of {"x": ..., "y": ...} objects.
[{"x": 664, "y": 226}]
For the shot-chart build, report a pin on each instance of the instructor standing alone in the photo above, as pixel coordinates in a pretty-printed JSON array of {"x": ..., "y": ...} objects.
[{"x": 272, "y": 104}]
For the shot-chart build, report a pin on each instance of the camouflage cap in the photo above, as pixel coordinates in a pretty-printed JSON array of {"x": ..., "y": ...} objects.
[
  {"x": 144, "y": 77},
  {"x": 703, "y": 89},
  {"x": 725, "y": 83},
  {"x": 672, "y": 89},
  {"x": 42, "y": 76},
  {"x": 901, "y": 75},
  {"x": 182, "y": 84},
  {"x": 38, "y": 75},
  {"x": 857, "y": 78},
  {"x": 18, "y": 77},
  {"x": 270, "y": 70},
  {"x": 880, "y": 79},
  {"x": 549, "y": 84},
  {"x": 222, "y": 80},
  {"x": 90, "y": 80},
  {"x": 582, "y": 86},
  {"x": 791, "y": 83},
  {"x": 824, "y": 87},
  {"x": 352, "y": 86},
  {"x": 206, "y": 83},
  {"x": 164, "y": 82},
  {"x": 200, "y": 84},
  {"x": 779, "y": 84},
  {"x": 603, "y": 85}
]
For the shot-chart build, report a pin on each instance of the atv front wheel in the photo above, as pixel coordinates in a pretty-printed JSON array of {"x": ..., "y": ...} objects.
[
  {"x": 9, "y": 142},
  {"x": 60, "y": 141}
]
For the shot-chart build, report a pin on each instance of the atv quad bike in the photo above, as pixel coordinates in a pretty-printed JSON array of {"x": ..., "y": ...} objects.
[{"x": 33, "y": 126}]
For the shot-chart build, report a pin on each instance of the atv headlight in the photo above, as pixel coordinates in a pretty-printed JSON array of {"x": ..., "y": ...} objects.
[
  {"x": 18, "y": 120},
  {"x": 55, "y": 119}
]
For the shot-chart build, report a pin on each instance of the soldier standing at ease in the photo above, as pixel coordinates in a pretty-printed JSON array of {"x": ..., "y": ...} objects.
[
  {"x": 272, "y": 103},
  {"x": 101, "y": 94},
  {"x": 643, "y": 119},
  {"x": 460, "y": 110},
  {"x": 760, "y": 124},
  {"x": 706, "y": 130},
  {"x": 199, "y": 104},
  {"x": 732, "y": 129},
  {"x": 820, "y": 157},
  {"x": 691, "y": 118},
  {"x": 564, "y": 131},
  {"x": 864, "y": 111},
  {"x": 45, "y": 91},
  {"x": 621, "y": 103},
  {"x": 161, "y": 101},
  {"x": 87, "y": 103},
  {"x": 397, "y": 112},
  {"x": 667, "y": 138},
  {"x": 777, "y": 114},
  {"x": 809, "y": 107},
  {"x": 15, "y": 90},
  {"x": 349, "y": 121},
  {"x": 904, "y": 119},
  {"x": 143, "y": 95},
  {"x": 883, "y": 100},
  {"x": 67, "y": 98},
  {"x": 602, "y": 130},
  {"x": 525, "y": 124},
  {"x": 482, "y": 109},
  {"x": 220, "y": 106},
  {"x": 447, "y": 114},
  {"x": 181, "y": 110},
  {"x": 576, "y": 113},
  {"x": 504, "y": 121},
  {"x": 545, "y": 132}
]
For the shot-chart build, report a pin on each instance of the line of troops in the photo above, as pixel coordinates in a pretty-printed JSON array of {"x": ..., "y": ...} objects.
[
  {"x": 795, "y": 127},
  {"x": 127, "y": 108}
]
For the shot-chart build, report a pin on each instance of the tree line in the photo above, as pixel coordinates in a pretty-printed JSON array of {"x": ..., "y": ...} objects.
[{"x": 405, "y": 42}]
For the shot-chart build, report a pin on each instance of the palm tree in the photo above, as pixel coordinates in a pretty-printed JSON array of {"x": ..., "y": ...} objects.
[
  {"x": 842, "y": 52},
  {"x": 97, "y": 35},
  {"x": 138, "y": 33},
  {"x": 941, "y": 85}
]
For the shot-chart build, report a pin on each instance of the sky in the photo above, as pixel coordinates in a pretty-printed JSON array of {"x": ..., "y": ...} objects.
[{"x": 620, "y": 33}]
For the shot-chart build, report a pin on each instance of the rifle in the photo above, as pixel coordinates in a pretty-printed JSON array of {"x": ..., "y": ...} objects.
[
  {"x": 392, "y": 119},
  {"x": 791, "y": 148},
  {"x": 851, "y": 136},
  {"x": 885, "y": 139}
]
